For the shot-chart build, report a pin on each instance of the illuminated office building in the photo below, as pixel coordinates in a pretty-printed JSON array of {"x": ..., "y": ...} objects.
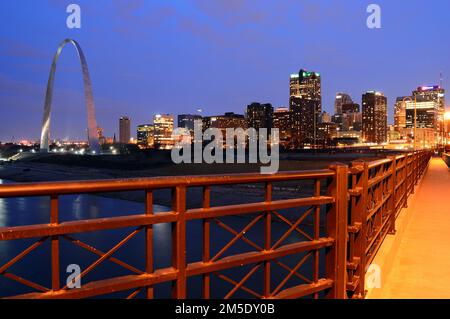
[
  {"x": 145, "y": 136},
  {"x": 163, "y": 126},
  {"x": 428, "y": 103},
  {"x": 374, "y": 117},
  {"x": 326, "y": 133},
  {"x": 260, "y": 116},
  {"x": 325, "y": 117},
  {"x": 124, "y": 130},
  {"x": 282, "y": 121},
  {"x": 101, "y": 137},
  {"x": 305, "y": 104},
  {"x": 187, "y": 121},
  {"x": 340, "y": 100},
  {"x": 222, "y": 122},
  {"x": 400, "y": 115}
]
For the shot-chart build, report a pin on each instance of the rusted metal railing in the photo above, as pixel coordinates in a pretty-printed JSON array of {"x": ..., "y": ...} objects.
[
  {"x": 359, "y": 207},
  {"x": 378, "y": 191},
  {"x": 446, "y": 158}
]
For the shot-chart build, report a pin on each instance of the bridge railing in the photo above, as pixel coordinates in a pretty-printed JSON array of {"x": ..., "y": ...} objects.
[
  {"x": 378, "y": 191},
  {"x": 357, "y": 205},
  {"x": 446, "y": 158},
  {"x": 263, "y": 255}
]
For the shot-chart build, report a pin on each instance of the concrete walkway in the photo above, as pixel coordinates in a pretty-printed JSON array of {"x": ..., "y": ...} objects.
[{"x": 415, "y": 263}]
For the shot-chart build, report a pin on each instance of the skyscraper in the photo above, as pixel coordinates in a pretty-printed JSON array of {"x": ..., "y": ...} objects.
[
  {"x": 163, "y": 124},
  {"x": 374, "y": 117},
  {"x": 282, "y": 121},
  {"x": 124, "y": 130},
  {"x": 223, "y": 122},
  {"x": 341, "y": 99},
  {"x": 305, "y": 103},
  {"x": 145, "y": 135},
  {"x": 326, "y": 132},
  {"x": 101, "y": 137},
  {"x": 350, "y": 108},
  {"x": 260, "y": 116},
  {"x": 428, "y": 103},
  {"x": 351, "y": 117},
  {"x": 430, "y": 110},
  {"x": 325, "y": 117},
  {"x": 187, "y": 121},
  {"x": 400, "y": 114}
]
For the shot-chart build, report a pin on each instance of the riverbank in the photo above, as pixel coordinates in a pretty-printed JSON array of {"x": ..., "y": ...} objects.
[{"x": 45, "y": 169}]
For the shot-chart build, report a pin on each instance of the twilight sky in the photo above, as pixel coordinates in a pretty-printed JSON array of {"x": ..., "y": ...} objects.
[{"x": 175, "y": 56}]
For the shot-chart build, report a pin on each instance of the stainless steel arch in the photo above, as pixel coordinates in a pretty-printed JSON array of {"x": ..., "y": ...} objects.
[{"x": 92, "y": 122}]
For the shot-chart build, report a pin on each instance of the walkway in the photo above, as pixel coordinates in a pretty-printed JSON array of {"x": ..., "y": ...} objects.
[{"x": 415, "y": 263}]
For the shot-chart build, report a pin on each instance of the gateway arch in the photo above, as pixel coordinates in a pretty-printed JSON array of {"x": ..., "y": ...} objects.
[{"x": 92, "y": 122}]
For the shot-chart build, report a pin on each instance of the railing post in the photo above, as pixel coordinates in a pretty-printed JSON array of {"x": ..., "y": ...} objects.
[
  {"x": 267, "y": 239},
  {"x": 392, "y": 202},
  {"x": 54, "y": 220},
  {"x": 206, "y": 225},
  {"x": 417, "y": 167},
  {"x": 179, "y": 242},
  {"x": 407, "y": 168},
  {"x": 357, "y": 222},
  {"x": 337, "y": 228},
  {"x": 412, "y": 173},
  {"x": 149, "y": 267}
]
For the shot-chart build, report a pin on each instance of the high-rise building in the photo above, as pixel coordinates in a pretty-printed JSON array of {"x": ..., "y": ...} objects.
[
  {"x": 145, "y": 136},
  {"x": 337, "y": 118},
  {"x": 374, "y": 117},
  {"x": 222, "y": 122},
  {"x": 351, "y": 117},
  {"x": 124, "y": 130},
  {"x": 228, "y": 120},
  {"x": 163, "y": 125},
  {"x": 400, "y": 114},
  {"x": 305, "y": 105},
  {"x": 344, "y": 111},
  {"x": 326, "y": 133},
  {"x": 260, "y": 116},
  {"x": 350, "y": 108},
  {"x": 101, "y": 137},
  {"x": 351, "y": 121},
  {"x": 428, "y": 103},
  {"x": 325, "y": 117},
  {"x": 187, "y": 121},
  {"x": 340, "y": 100},
  {"x": 430, "y": 93},
  {"x": 282, "y": 121},
  {"x": 430, "y": 110}
]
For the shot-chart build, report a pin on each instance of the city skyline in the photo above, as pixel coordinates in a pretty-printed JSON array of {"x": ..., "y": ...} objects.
[{"x": 182, "y": 82}]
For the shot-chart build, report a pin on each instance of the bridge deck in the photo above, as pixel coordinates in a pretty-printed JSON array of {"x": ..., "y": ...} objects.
[{"x": 415, "y": 263}]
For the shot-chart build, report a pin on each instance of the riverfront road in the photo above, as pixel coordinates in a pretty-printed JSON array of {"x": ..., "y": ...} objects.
[{"x": 416, "y": 262}]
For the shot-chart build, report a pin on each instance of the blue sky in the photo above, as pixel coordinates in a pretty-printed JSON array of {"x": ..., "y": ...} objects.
[{"x": 154, "y": 56}]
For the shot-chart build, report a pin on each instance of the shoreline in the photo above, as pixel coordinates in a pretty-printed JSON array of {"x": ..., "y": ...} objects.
[{"x": 27, "y": 171}]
